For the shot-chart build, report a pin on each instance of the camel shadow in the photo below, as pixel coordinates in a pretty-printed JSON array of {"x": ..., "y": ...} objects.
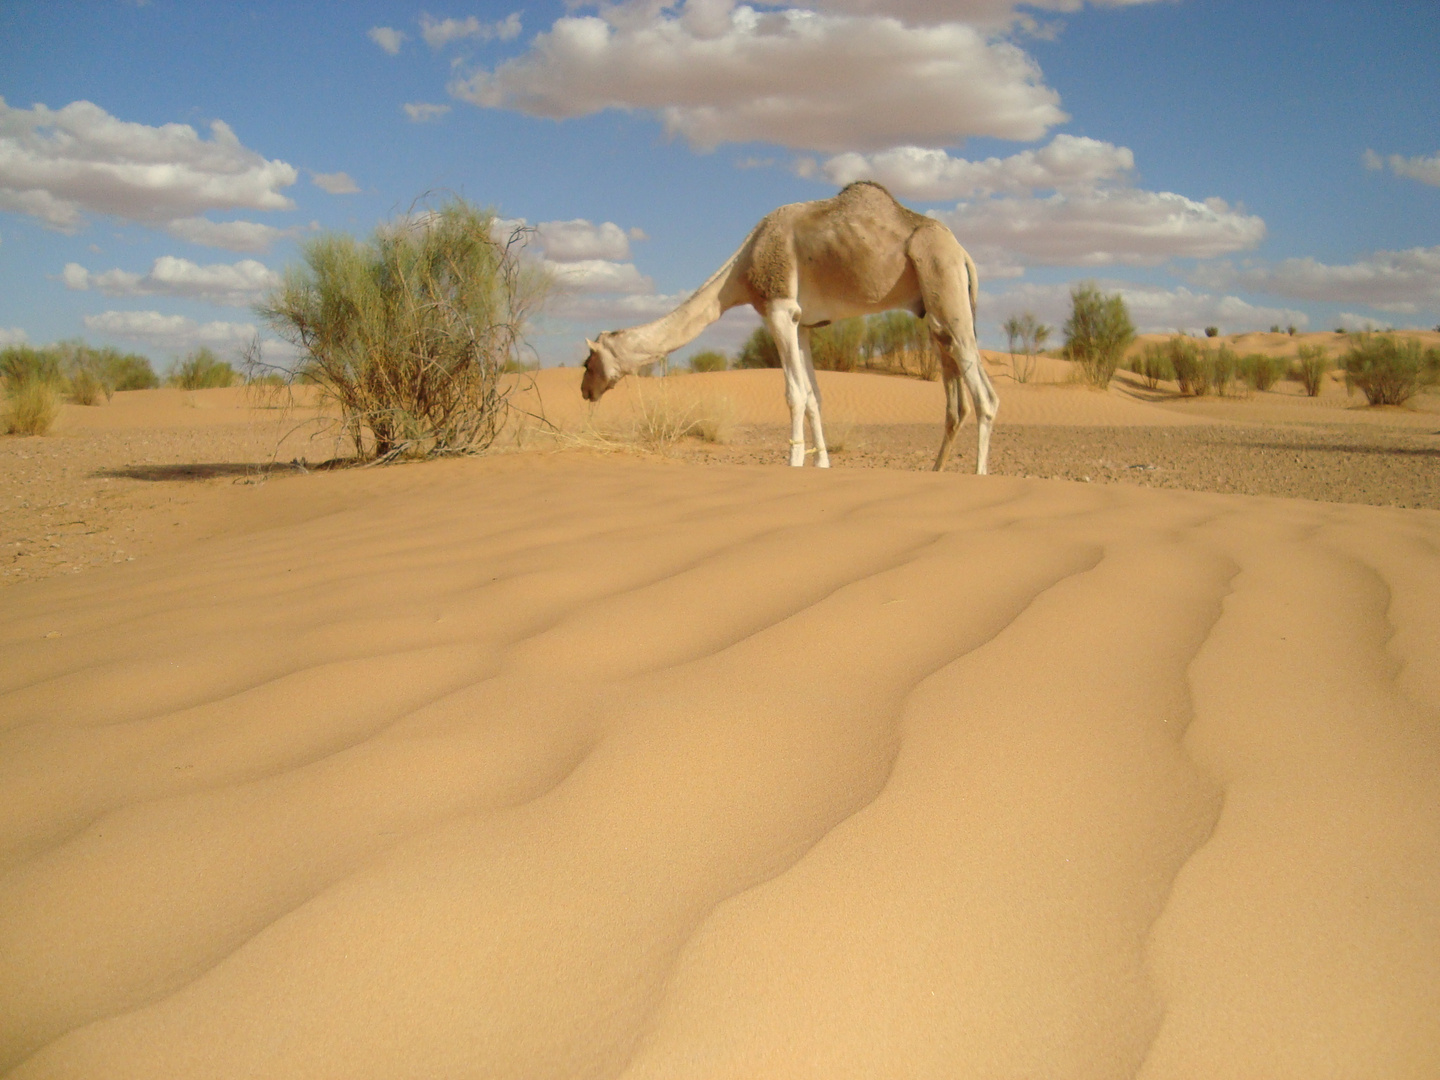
[{"x": 198, "y": 471}]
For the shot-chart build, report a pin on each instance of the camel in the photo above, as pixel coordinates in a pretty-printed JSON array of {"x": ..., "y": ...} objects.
[{"x": 806, "y": 265}]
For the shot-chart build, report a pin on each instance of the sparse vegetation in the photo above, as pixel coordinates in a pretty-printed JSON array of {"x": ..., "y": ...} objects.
[
  {"x": 410, "y": 333},
  {"x": 664, "y": 416},
  {"x": 758, "y": 351},
  {"x": 1275, "y": 329},
  {"x": 1261, "y": 372},
  {"x": 86, "y": 374},
  {"x": 1311, "y": 368},
  {"x": 1097, "y": 332},
  {"x": 1212, "y": 331},
  {"x": 838, "y": 347},
  {"x": 895, "y": 342},
  {"x": 709, "y": 360},
  {"x": 1184, "y": 360},
  {"x": 1032, "y": 336},
  {"x": 203, "y": 370},
  {"x": 1291, "y": 330},
  {"x": 1154, "y": 365},
  {"x": 31, "y": 407},
  {"x": 1388, "y": 370},
  {"x": 1220, "y": 368}
]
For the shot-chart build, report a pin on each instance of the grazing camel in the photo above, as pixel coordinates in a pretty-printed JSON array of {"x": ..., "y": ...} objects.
[{"x": 806, "y": 265}]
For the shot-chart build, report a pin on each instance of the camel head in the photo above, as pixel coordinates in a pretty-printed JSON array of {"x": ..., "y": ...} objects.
[{"x": 602, "y": 371}]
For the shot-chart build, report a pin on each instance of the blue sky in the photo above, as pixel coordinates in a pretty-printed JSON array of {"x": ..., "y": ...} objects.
[{"x": 1228, "y": 163}]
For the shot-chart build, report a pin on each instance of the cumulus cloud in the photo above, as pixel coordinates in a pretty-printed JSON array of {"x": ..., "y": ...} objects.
[
  {"x": 12, "y": 335},
  {"x": 387, "y": 38},
  {"x": 57, "y": 164},
  {"x": 1067, "y": 162},
  {"x": 1398, "y": 281},
  {"x": 231, "y": 235},
  {"x": 421, "y": 112},
  {"x": 233, "y": 285},
  {"x": 599, "y": 276},
  {"x": 336, "y": 183},
  {"x": 1424, "y": 169},
  {"x": 809, "y": 79},
  {"x": 170, "y": 331},
  {"x": 570, "y": 241},
  {"x": 440, "y": 32},
  {"x": 1153, "y": 308},
  {"x": 1103, "y": 227}
]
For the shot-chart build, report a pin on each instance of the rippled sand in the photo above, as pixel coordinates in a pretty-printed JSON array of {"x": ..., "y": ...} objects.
[{"x": 555, "y": 767}]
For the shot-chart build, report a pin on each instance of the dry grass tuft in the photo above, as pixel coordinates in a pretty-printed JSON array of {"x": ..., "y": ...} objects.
[{"x": 33, "y": 408}]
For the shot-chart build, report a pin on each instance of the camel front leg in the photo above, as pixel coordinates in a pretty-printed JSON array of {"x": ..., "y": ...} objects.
[
  {"x": 812, "y": 401},
  {"x": 782, "y": 319}
]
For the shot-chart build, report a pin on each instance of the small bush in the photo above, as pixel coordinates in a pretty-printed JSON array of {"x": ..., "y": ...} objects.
[
  {"x": 709, "y": 360},
  {"x": 1261, "y": 372},
  {"x": 838, "y": 347},
  {"x": 1097, "y": 332},
  {"x": 1212, "y": 331},
  {"x": 715, "y": 420},
  {"x": 86, "y": 388},
  {"x": 1032, "y": 336},
  {"x": 1220, "y": 369},
  {"x": 897, "y": 341},
  {"x": 21, "y": 365},
  {"x": 32, "y": 407},
  {"x": 1154, "y": 365},
  {"x": 1311, "y": 368},
  {"x": 1183, "y": 356},
  {"x": 1275, "y": 329},
  {"x": 1386, "y": 369},
  {"x": 203, "y": 370},
  {"x": 759, "y": 351},
  {"x": 1291, "y": 330}
]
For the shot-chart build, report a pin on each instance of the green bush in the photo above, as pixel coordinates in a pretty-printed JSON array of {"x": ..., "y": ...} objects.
[
  {"x": 32, "y": 407},
  {"x": 409, "y": 333},
  {"x": 837, "y": 347},
  {"x": 1311, "y": 368},
  {"x": 21, "y": 364},
  {"x": 1154, "y": 365},
  {"x": 1212, "y": 331},
  {"x": 1097, "y": 332},
  {"x": 709, "y": 360},
  {"x": 1184, "y": 358},
  {"x": 1387, "y": 369},
  {"x": 1032, "y": 336},
  {"x": 759, "y": 351},
  {"x": 1261, "y": 372},
  {"x": 1220, "y": 369},
  {"x": 203, "y": 370}
]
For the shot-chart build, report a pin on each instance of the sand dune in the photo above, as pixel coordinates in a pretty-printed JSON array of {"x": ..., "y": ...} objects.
[{"x": 552, "y": 766}]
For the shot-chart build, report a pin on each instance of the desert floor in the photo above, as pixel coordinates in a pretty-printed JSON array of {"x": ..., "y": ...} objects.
[{"x": 583, "y": 759}]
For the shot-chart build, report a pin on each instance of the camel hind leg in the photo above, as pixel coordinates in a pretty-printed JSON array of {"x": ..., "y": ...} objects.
[{"x": 944, "y": 272}]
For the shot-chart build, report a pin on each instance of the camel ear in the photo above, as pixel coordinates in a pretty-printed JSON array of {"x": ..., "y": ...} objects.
[{"x": 591, "y": 345}]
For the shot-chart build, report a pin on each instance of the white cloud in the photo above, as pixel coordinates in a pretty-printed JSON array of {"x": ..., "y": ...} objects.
[
  {"x": 440, "y": 32},
  {"x": 718, "y": 73},
  {"x": 233, "y": 285},
  {"x": 1153, "y": 308},
  {"x": 421, "y": 112},
  {"x": 336, "y": 183},
  {"x": 1424, "y": 169},
  {"x": 231, "y": 235},
  {"x": 387, "y": 38},
  {"x": 1103, "y": 227},
  {"x": 1067, "y": 162},
  {"x": 599, "y": 276},
  {"x": 1398, "y": 281},
  {"x": 12, "y": 335},
  {"x": 57, "y": 164},
  {"x": 571, "y": 241},
  {"x": 616, "y": 310},
  {"x": 170, "y": 331}
]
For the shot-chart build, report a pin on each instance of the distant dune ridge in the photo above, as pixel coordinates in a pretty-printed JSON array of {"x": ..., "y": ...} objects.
[{"x": 553, "y": 765}]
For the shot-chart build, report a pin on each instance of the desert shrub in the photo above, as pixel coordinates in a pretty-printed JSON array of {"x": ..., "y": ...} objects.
[
  {"x": 897, "y": 341},
  {"x": 1311, "y": 367},
  {"x": 759, "y": 351},
  {"x": 715, "y": 419},
  {"x": 31, "y": 407},
  {"x": 1261, "y": 372},
  {"x": 837, "y": 347},
  {"x": 21, "y": 364},
  {"x": 1154, "y": 365},
  {"x": 128, "y": 371},
  {"x": 1220, "y": 368},
  {"x": 1212, "y": 331},
  {"x": 1275, "y": 329},
  {"x": 1032, "y": 336},
  {"x": 709, "y": 360},
  {"x": 86, "y": 388},
  {"x": 1290, "y": 330},
  {"x": 1097, "y": 332},
  {"x": 1184, "y": 359},
  {"x": 202, "y": 370},
  {"x": 1388, "y": 370},
  {"x": 409, "y": 333}
]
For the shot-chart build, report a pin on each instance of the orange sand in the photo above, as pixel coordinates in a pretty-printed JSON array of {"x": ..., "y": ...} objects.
[{"x": 548, "y": 766}]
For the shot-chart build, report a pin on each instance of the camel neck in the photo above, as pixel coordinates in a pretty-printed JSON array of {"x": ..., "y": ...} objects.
[{"x": 641, "y": 345}]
